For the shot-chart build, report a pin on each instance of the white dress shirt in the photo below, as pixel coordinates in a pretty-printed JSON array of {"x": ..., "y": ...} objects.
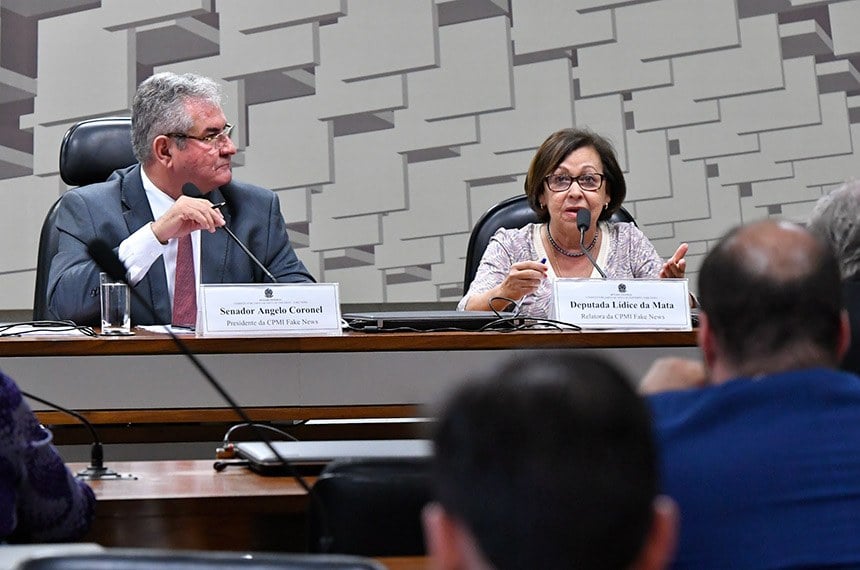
[{"x": 141, "y": 249}]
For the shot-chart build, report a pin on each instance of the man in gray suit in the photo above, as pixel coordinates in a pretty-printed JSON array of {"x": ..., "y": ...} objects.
[{"x": 180, "y": 135}]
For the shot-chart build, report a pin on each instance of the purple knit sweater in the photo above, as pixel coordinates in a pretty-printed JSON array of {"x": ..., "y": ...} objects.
[{"x": 40, "y": 500}]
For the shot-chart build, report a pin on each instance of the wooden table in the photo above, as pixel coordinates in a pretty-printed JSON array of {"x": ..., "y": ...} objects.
[
  {"x": 189, "y": 505},
  {"x": 150, "y": 343},
  {"x": 145, "y": 380}
]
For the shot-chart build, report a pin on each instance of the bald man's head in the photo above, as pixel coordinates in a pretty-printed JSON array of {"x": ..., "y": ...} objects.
[
  {"x": 782, "y": 250},
  {"x": 771, "y": 291}
]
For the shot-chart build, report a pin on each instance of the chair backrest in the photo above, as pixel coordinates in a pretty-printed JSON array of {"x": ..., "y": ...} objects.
[
  {"x": 511, "y": 213},
  {"x": 372, "y": 507},
  {"x": 146, "y": 559},
  {"x": 91, "y": 150}
]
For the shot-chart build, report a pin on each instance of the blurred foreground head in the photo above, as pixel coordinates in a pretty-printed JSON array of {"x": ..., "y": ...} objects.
[{"x": 548, "y": 462}]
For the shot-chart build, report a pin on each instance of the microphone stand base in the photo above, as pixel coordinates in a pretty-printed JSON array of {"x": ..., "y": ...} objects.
[{"x": 103, "y": 474}]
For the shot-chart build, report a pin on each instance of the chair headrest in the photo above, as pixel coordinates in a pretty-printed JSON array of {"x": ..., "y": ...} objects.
[{"x": 91, "y": 150}]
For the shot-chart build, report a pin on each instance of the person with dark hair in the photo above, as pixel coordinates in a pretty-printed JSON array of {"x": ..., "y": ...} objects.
[
  {"x": 759, "y": 445},
  {"x": 547, "y": 463},
  {"x": 834, "y": 219},
  {"x": 40, "y": 500},
  {"x": 179, "y": 135},
  {"x": 574, "y": 169}
]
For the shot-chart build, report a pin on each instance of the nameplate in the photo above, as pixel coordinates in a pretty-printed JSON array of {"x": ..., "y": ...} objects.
[
  {"x": 623, "y": 303},
  {"x": 268, "y": 309}
]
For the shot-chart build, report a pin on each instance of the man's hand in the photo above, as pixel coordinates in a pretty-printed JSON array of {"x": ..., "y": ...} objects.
[
  {"x": 673, "y": 373},
  {"x": 185, "y": 216}
]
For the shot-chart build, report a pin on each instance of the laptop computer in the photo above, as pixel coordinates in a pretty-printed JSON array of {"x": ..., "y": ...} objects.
[
  {"x": 424, "y": 320},
  {"x": 262, "y": 460}
]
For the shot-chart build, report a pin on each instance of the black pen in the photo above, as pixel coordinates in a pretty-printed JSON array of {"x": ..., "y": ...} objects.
[{"x": 219, "y": 205}]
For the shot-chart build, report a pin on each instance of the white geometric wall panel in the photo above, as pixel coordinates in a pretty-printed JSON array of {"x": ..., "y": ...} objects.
[{"x": 389, "y": 126}]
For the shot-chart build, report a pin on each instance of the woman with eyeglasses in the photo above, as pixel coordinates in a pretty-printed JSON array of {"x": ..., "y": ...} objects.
[{"x": 573, "y": 170}]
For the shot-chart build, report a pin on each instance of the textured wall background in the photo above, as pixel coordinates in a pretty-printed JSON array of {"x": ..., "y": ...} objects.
[{"x": 389, "y": 126}]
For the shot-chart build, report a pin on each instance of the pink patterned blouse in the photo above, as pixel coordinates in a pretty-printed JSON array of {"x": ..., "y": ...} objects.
[{"x": 626, "y": 254}]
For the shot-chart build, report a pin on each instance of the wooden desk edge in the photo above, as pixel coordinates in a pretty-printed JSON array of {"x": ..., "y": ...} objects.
[{"x": 148, "y": 343}]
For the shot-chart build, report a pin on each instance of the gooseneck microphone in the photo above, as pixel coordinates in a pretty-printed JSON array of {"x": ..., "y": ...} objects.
[
  {"x": 110, "y": 263},
  {"x": 192, "y": 191},
  {"x": 583, "y": 222},
  {"x": 96, "y": 470}
]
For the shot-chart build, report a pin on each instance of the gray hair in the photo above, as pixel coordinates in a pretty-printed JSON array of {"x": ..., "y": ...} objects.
[
  {"x": 836, "y": 219},
  {"x": 159, "y": 108}
]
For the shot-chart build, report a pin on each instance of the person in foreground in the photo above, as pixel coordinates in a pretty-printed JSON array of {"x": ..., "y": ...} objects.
[
  {"x": 834, "y": 219},
  {"x": 763, "y": 456},
  {"x": 40, "y": 500},
  {"x": 180, "y": 135},
  {"x": 547, "y": 463},
  {"x": 574, "y": 169}
]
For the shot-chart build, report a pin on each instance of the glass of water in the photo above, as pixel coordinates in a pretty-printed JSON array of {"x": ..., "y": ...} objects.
[{"x": 116, "y": 306}]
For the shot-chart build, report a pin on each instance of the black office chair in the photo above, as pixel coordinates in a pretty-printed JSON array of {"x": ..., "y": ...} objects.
[
  {"x": 511, "y": 213},
  {"x": 372, "y": 507},
  {"x": 146, "y": 559},
  {"x": 91, "y": 150}
]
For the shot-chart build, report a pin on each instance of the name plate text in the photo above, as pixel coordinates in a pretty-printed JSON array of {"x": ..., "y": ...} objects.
[
  {"x": 268, "y": 309},
  {"x": 623, "y": 303}
]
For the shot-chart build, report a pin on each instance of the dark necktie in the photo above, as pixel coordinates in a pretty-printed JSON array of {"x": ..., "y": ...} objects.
[{"x": 184, "y": 294}]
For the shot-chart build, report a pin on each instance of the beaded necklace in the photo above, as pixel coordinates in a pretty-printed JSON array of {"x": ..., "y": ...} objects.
[{"x": 563, "y": 251}]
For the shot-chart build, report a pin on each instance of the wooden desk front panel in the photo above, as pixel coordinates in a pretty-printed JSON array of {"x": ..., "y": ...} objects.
[
  {"x": 146, "y": 372},
  {"x": 187, "y": 504}
]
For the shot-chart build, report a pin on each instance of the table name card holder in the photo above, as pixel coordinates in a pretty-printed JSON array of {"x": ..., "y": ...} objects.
[
  {"x": 268, "y": 309},
  {"x": 654, "y": 304}
]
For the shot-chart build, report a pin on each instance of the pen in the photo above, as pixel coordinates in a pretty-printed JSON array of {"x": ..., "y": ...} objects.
[
  {"x": 543, "y": 260},
  {"x": 219, "y": 205}
]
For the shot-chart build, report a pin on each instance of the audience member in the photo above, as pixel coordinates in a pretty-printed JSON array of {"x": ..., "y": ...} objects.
[
  {"x": 764, "y": 461},
  {"x": 40, "y": 500},
  {"x": 835, "y": 218},
  {"x": 547, "y": 463},
  {"x": 573, "y": 170},
  {"x": 180, "y": 135}
]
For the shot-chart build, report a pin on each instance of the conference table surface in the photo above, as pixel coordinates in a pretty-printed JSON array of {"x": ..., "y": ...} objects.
[
  {"x": 145, "y": 342},
  {"x": 187, "y": 504}
]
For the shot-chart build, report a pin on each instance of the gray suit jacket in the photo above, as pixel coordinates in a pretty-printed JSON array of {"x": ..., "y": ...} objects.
[{"x": 115, "y": 209}]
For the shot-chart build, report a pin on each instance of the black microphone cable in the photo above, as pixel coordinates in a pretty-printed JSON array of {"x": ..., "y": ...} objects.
[
  {"x": 192, "y": 191},
  {"x": 110, "y": 263},
  {"x": 583, "y": 221},
  {"x": 96, "y": 470}
]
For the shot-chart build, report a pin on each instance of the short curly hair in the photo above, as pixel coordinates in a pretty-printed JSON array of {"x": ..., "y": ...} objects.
[{"x": 555, "y": 149}]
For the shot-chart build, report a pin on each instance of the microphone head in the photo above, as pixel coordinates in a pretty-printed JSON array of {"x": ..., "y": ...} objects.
[
  {"x": 583, "y": 218},
  {"x": 106, "y": 259},
  {"x": 192, "y": 191}
]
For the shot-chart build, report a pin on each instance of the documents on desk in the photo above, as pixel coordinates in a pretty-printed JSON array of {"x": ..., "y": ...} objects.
[
  {"x": 268, "y": 309},
  {"x": 661, "y": 304}
]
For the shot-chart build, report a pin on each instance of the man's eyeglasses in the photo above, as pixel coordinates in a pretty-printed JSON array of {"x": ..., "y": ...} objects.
[
  {"x": 217, "y": 139},
  {"x": 590, "y": 182}
]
